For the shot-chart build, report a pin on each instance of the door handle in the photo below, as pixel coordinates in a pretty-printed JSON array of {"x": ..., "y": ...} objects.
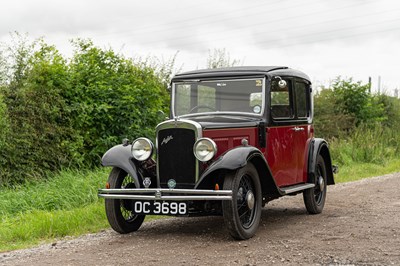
[{"x": 297, "y": 129}]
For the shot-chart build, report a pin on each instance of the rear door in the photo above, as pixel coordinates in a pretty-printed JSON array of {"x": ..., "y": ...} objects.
[{"x": 303, "y": 129}]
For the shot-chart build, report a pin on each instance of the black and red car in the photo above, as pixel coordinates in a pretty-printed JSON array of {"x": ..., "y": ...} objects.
[{"x": 236, "y": 139}]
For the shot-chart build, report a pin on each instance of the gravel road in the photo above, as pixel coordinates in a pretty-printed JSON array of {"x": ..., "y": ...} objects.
[{"x": 360, "y": 225}]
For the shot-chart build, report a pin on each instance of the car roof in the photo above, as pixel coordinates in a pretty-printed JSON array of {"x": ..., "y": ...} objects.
[{"x": 241, "y": 71}]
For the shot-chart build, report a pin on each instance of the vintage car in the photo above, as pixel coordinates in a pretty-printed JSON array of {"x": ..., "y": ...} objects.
[{"x": 236, "y": 138}]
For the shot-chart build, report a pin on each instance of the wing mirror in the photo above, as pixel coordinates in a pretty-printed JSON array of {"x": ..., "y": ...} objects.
[{"x": 281, "y": 83}]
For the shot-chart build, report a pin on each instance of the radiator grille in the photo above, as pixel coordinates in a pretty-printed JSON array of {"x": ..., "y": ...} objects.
[{"x": 175, "y": 157}]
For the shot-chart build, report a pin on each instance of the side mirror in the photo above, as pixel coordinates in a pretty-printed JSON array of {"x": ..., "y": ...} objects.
[{"x": 281, "y": 83}]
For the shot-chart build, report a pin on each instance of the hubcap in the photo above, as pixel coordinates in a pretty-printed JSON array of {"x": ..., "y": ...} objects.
[
  {"x": 250, "y": 200},
  {"x": 321, "y": 183}
]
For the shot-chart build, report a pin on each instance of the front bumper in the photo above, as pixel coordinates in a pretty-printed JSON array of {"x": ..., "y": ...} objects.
[{"x": 164, "y": 194}]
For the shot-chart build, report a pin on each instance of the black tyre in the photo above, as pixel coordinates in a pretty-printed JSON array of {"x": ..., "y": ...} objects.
[
  {"x": 119, "y": 212},
  {"x": 242, "y": 215},
  {"x": 314, "y": 198}
]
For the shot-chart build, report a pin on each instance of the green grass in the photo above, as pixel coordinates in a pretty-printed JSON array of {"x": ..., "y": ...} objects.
[
  {"x": 357, "y": 171},
  {"x": 42, "y": 211},
  {"x": 67, "y": 204},
  {"x": 30, "y": 228},
  {"x": 67, "y": 190}
]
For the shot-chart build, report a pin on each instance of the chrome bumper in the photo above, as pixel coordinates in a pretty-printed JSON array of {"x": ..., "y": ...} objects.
[{"x": 164, "y": 194}]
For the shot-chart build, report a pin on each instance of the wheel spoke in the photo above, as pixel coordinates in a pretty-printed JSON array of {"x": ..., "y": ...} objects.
[{"x": 245, "y": 214}]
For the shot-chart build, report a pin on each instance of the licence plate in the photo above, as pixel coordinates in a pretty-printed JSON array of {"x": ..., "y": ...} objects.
[{"x": 160, "y": 208}]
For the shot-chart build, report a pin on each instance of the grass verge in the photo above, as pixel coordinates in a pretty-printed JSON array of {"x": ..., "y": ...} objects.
[{"x": 357, "y": 171}]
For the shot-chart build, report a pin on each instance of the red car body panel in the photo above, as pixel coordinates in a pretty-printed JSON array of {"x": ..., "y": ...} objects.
[{"x": 286, "y": 151}]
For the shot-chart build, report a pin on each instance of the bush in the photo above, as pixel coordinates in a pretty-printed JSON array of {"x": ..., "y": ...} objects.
[
  {"x": 111, "y": 98},
  {"x": 57, "y": 113},
  {"x": 345, "y": 106},
  {"x": 4, "y": 132},
  {"x": 41, "y": 132},
  {"x": 329, "y": 121}
]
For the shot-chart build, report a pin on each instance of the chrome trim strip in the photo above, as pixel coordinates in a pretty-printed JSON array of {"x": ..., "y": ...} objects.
[
  {"x": 166, "y": 198},
  {"x": 180, "y": 123},
  {"x": 163, "y": 194},
  {"x": 164, "y": 190},
  {"x": 297, "y": 188}
]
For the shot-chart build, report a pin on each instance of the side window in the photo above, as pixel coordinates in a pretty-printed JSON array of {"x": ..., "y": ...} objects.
[
  {"x": 281, "y": 103},
  {"x": 301, "y": 94}
]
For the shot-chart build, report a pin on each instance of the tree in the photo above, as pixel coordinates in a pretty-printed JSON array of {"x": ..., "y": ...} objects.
[{"x": 220, "y": 58}]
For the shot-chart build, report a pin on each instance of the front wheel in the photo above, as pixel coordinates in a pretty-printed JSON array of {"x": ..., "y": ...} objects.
[
  {"x": 314, "y": 198},
  {"x": 119, "y": 212},
  {"x": 243, "y": 213}
]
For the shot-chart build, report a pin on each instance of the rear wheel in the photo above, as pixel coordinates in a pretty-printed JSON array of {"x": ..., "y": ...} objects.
[
  {"x": 314, "y": 198},
  {"x": 119, "y": 212},
  {"x": 243, "y": 213}
]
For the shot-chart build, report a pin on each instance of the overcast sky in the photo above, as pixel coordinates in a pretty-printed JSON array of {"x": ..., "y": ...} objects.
[{"x": 325, "y": 39}]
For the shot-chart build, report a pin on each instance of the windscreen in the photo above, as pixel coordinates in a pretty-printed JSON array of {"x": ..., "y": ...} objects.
[{"x": 219, "y": 96}]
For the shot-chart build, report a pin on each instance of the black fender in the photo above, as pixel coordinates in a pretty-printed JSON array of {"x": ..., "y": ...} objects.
[
  {"x": 236, "y": 158},
  {"x": 320, "y": 146},
  {"x": 120, "y": 156}
]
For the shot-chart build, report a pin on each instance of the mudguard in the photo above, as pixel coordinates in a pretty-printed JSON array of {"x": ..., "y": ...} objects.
[
  {"x": 120, "y": 156},
  {"x": 320, "y": 146},
  {"x": 237, "y": 158}
]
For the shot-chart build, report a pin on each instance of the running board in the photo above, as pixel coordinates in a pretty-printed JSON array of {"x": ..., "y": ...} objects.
[{"x": 296, "y": 188}]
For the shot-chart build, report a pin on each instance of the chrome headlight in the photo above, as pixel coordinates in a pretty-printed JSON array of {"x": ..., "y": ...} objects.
[
  {"x": 204, "y": 149},
  {"x": 142, "y": 149}
]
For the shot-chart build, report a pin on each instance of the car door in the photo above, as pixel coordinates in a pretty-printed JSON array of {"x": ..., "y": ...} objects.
[
  {"x": 302, "y": 129},
  {"x": 280, "y": 153},
  {"x": 290, "y": 131}
]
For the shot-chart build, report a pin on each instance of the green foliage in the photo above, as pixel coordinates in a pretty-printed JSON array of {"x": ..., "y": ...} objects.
[
  {"x": 64, "y": 205},
  {"x": 357, "y": 171},
  {"x": 4, "y": 126},
  {"x": 340, "y": 109},
  {"x": 355, "y": 99},
  {"x": 31, "y": 228},
  {"x": 67, "y": 190},
  {"x": 40, "y": 131},
  {"x": 391, "y": 106},
  {"x": 64, "y": 113},
  {"x": 366, "y": 144},
  {"x": 329, "y": 121},
  {"x": 111, "y": 98}
]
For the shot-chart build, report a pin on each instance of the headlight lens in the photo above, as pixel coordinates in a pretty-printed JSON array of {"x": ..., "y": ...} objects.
[
  {"x": 204, "y": 149},
  {"x": 142, "y": 148}
]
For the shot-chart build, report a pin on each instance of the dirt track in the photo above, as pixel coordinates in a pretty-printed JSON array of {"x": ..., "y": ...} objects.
[{"x": 360, "y": 225}]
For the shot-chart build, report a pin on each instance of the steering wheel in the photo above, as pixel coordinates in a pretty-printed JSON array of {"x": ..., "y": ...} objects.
[{"x": 202, "y": 106}]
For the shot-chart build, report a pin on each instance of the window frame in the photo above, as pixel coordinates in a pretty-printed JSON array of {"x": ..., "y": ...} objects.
[
  {"x": 222, "y": 79},
  {"x": 295, "y": 119}
]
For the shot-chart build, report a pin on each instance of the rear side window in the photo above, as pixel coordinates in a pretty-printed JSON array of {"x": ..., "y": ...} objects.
[
  {"x": 301, "y": 94},
  {"x": 281, "y": 101}
]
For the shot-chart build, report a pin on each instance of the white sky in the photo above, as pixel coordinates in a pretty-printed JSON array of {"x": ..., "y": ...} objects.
[{"x": 325, "y": 39}]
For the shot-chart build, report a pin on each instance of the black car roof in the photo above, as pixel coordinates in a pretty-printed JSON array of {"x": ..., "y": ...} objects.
[{"x": 241, "y": 71}]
